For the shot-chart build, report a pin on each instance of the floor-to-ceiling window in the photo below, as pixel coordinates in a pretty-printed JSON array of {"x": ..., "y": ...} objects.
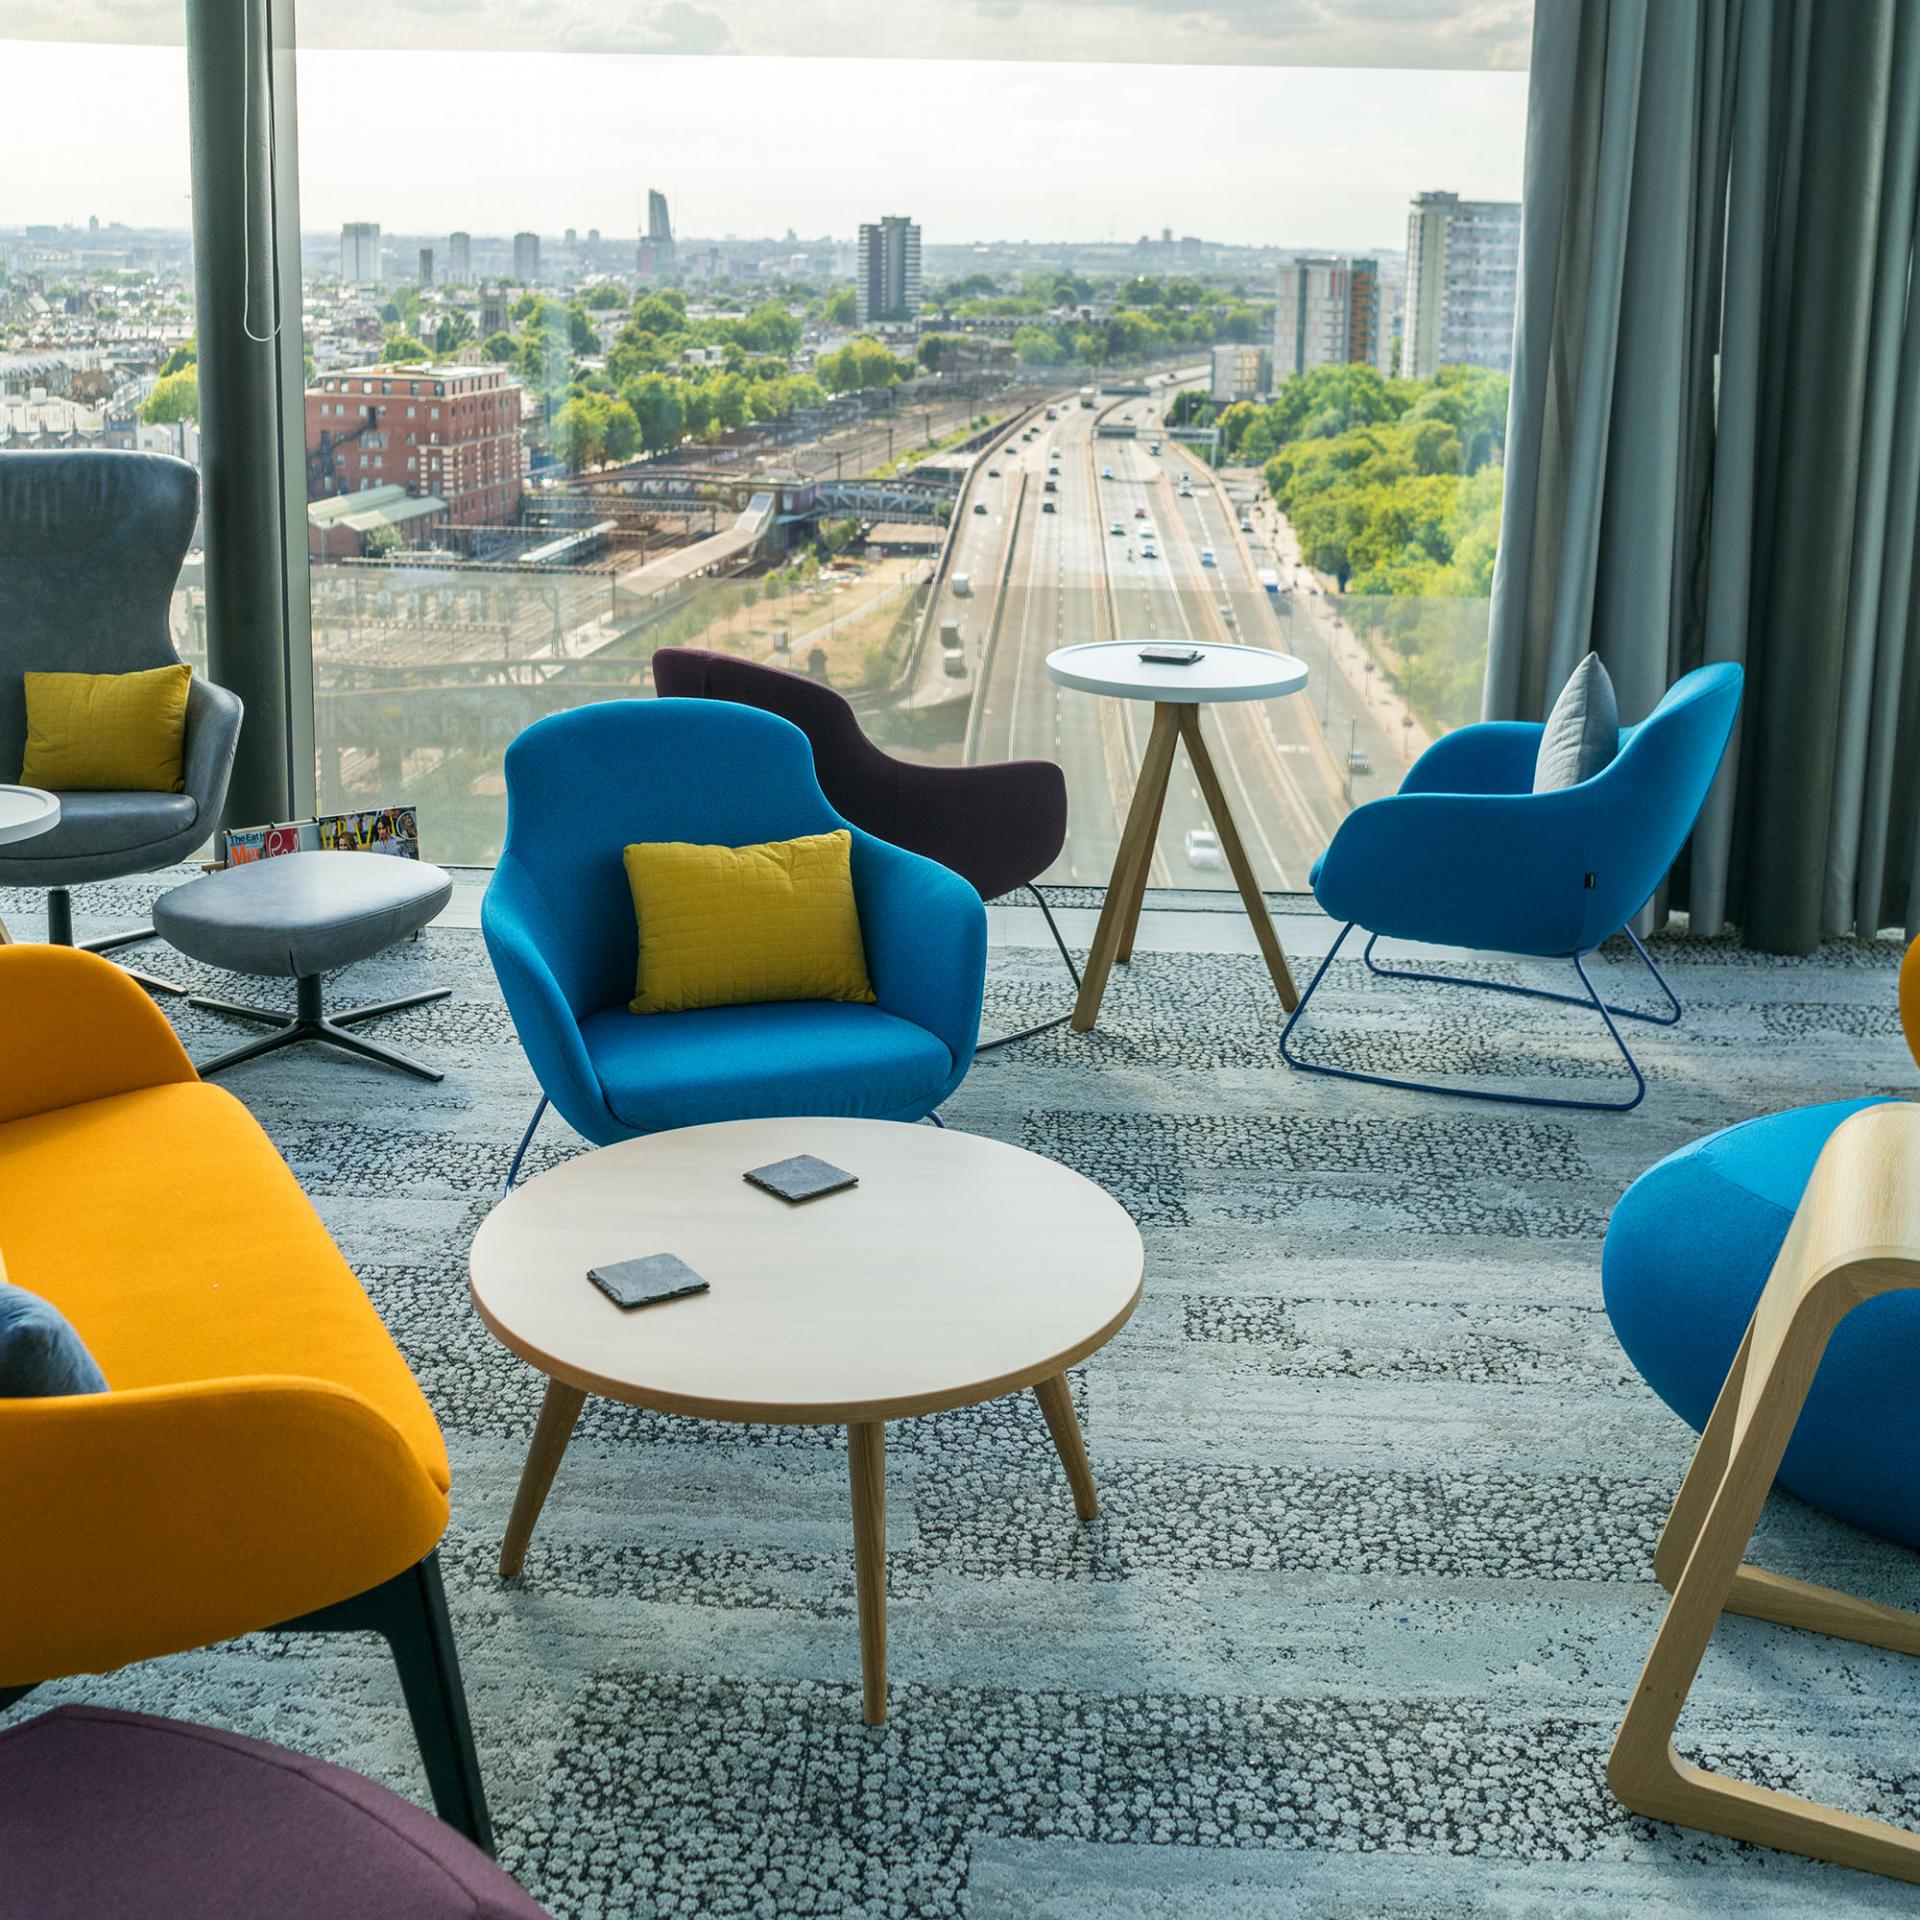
[
  {"x": 900, "y": 353},
  {"x": 96, "y": 250}
]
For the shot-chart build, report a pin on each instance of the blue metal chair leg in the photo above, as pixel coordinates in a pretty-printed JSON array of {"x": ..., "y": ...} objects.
[
  {"x": 1667, "y": 1019},
  {"x": 1591, "y": 999},
  {"x": 526, "y": 1140}
]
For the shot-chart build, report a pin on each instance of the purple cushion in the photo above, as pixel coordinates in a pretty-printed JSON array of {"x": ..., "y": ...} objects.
[{"x": 106, "y": 1813}]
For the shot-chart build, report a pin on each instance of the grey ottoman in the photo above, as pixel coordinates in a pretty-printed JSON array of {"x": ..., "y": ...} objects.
[{"x": 300, "y": 915}]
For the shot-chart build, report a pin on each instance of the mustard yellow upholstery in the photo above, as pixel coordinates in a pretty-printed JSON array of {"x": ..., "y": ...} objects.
[
  {"x": 1910, "y": 999},
  {"x": 263, "y": 1451},
  {"x": 728, "y": 926},
  {"x": 107, "y": 732}
]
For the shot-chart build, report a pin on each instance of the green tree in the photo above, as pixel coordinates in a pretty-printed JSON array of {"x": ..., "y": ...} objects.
[
  {"x": 383, "y": 539},
  {"x": 840, "y": 308},
  {"x": 175, "y": 396},
  {"x": 453, "y": 332},
  {"x": 500, "y": 348},
  {"x": 186, "y": 354},
  {"x": 859, "y": 364},
  {"x": 403, "y": 346},
  {"x": 605, "y": 297}
]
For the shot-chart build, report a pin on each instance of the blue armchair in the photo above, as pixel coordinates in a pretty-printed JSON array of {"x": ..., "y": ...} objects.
[
  {"x": 559, "y": 926},
  {"x": 1466, "y": 855}
]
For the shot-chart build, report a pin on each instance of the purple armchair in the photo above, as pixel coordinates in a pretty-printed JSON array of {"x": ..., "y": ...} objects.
[{"x": 998, "y": 826}]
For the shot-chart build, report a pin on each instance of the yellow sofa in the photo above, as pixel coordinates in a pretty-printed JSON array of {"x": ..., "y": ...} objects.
[{"x": 263, "y": 1457}]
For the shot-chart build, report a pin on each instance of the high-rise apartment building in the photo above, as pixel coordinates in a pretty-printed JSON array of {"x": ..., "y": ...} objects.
[
  {"x": 1462, "y": 259},
  {"x": 889, "y": 272},
  {"x": 1312, "y": 313},
  {"x": 426, "y": 266},
  {"x": 460, "y": 256},
  {"x": 452, "y": 433},
  {"x": 1363, "y": 310},
  {"x": 526, "y": 257},
  {"x": 360, "y": 253}
]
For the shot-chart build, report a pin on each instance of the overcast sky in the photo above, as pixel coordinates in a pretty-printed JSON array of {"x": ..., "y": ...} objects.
[{"x": 437, "y": 138}]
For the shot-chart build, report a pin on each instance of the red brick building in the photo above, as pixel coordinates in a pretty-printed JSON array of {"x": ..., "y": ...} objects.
[{"x": 449, "y": 432}]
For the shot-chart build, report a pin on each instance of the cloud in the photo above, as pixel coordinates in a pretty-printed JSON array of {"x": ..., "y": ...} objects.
[{"x": 1439, "y": 34}]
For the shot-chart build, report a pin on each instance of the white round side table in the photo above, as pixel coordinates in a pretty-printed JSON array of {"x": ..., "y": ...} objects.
[
  {"x": 25, "y": 811},
  {"x": 1115, "y": 668}
]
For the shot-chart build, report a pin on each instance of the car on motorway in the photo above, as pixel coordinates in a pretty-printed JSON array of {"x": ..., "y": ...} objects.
[
  {"x": 979, "y": 506},
  {"x": 954, "y": 665},
  {"x": 1246, "y": 525},
  {"x": 1148, "y": 551},
  {"x": 1203, "y": 850},
  {"x": 1052, "y": 486},
  {"x": 1139, "y": 513},
  {"x": 1206, "y": 556},
  {"x": 1359, "y": 761},
  {"x": 1186, "y": 492},
  {"x": 1106, "y": 473},
  {"x": 1053, "y": 413},
  {"x": 962, "y": 584},
  {"x": 993, "y": 473},
  {"x": 1049, "y": 506},
  {"x": 1226, "y": 614},
  {"x": 1118, "y": 527},
  {"x": 1155, "y": 448},
  {"x": 1185, "y": 476}
]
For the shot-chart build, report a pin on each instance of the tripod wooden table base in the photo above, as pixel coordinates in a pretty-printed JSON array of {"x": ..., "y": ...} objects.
[
  {"x": 959, "y": 1270},
  {"x": 1221, "y": 673}
]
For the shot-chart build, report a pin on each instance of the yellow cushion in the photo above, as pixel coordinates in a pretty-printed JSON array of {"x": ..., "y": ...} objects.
[
  {"x": 107, "y": 732},
  {"x": 721, "y": 926}
]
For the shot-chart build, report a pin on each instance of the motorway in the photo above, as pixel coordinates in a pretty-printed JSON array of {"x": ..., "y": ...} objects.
[{"x": 1073, "y": 578}]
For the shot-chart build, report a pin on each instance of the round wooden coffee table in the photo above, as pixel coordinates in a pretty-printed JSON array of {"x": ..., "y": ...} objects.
[{"x": 959, "y": 1270}]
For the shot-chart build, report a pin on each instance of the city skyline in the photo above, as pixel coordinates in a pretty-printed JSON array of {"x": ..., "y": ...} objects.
[{"x": 1309, "y": 157}]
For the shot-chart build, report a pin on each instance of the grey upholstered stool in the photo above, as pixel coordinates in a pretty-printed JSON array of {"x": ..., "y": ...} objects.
[{"x": 300, "y": 914}]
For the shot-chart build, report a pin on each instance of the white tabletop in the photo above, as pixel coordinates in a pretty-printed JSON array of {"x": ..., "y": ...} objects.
[
  {"x": 960, "y": 1269},
  {"x": 25, "y": 811},
  {"x": 1221, "y": 673}
]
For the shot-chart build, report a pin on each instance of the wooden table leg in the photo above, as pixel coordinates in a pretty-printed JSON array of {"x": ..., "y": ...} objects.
[
  {"x": 1056, "y": 1402},
  {"x": 1143, "y": 868},
  {"x": 558, "y": 1411},
  {"x": 867, "y": 1471},
  {"x": 1130, "y": 863},
  {"x": 1251, "y": 896}
]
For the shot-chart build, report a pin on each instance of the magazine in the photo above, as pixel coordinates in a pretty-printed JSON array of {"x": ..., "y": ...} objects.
[
  {"x": 393, "y": 830},
  {"x": 247, "y": 844}
]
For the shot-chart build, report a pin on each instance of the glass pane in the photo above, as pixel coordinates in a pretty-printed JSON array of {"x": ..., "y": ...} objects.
[
  {"x": 1127, "y": 364},
  {"x": 96, "y": 263}
]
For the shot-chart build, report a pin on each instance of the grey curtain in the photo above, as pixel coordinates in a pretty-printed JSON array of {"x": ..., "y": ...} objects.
[{"x": 1713, "y": 445}]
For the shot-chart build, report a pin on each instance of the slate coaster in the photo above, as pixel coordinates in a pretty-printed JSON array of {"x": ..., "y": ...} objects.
[
  {"x": 640, "y": 1283},
  {"x": 801, "y": 1178}
]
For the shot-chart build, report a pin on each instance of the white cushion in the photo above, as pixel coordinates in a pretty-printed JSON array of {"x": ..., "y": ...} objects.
[{"x": 1583, "y": 730}]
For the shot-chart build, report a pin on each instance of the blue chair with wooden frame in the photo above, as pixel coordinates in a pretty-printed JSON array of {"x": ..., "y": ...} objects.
[
  {"x": 559, "y": 926},
  {"x": 1467, "y": 855}
]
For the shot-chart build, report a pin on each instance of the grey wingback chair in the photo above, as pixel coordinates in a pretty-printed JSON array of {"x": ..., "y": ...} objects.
[{"x": 90, "y": 550}]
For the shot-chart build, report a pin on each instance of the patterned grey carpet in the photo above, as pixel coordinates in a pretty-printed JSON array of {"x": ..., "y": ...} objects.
[{"x": 1372, "y": 1582}]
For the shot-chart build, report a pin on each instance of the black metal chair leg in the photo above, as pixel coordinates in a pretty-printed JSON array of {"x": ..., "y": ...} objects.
[
  {"x": 409, "y": 1612},
  {"x": 310, "y": 1021},
  {"x": 336, "y": 1035},
  {"x": 60, "y": 934},
  {"x": 354, "y": 1015},
  {"x": 286, "y": 1036},
  {"x": 421, "y": 1636},
  {"x": 1060, "y": 1020}
]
